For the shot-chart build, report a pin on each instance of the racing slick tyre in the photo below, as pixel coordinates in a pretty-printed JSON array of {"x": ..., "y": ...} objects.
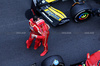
[
  {"x": 80, "y": 11},
  {"x": 54, "y": 60}
]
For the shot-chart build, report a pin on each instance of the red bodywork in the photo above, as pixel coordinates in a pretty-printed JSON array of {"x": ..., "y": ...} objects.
[{"x": 93, "y": 60}]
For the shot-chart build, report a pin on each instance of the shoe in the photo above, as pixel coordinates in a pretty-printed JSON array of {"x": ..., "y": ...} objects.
[{"x": 43, "y": 53}]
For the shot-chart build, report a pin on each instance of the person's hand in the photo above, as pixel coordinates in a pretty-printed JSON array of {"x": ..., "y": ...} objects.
[{"x": 33, "y": 35}]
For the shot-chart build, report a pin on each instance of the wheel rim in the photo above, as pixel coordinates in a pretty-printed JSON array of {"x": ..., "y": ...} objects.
[{"x": 83, "y": 16}]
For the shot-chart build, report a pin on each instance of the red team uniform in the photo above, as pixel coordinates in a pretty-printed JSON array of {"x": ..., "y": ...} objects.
[{"x": 40, "y": 31}]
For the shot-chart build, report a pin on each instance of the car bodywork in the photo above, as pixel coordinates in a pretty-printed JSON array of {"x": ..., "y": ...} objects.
[
  {"x": 51, "y": 14},
  {"x": 92, "y": 60}
]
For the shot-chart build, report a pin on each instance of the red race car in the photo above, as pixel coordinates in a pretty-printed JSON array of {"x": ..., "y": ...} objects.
[{"x": 92, "y": 60}]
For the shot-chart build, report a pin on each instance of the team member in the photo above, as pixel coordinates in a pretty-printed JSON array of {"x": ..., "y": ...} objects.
[{"x": 40, "y": 31}]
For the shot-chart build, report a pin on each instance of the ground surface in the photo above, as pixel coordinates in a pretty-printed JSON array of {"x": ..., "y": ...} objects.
[{"x": 14, "y": 31}]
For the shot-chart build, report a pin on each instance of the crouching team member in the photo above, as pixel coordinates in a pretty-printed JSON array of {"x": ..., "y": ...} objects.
[{"x": 40, "y": 31}]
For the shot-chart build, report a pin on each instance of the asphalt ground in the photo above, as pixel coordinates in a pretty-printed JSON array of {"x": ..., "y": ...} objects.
[{"x": 72, "y": 41}]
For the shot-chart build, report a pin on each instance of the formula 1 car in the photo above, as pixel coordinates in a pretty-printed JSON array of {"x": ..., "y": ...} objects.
[
  {"x": 92, "y": 60},
  {"x": 53, "y": 15},
  {"x": 79, "y": 11}
]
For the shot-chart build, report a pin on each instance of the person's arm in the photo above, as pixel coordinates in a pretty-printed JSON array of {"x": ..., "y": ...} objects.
[
  {"x": 36, "y": 29},
  {"x": 38, "y": 36},
  {"x": 40, "y": 22},
  {"x": 48, "y": 26}
]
